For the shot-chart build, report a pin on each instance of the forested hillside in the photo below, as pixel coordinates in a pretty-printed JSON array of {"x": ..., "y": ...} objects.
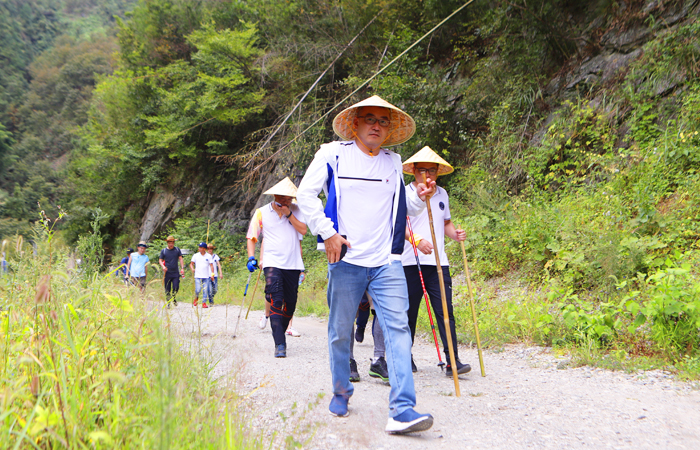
[
  {"x": 52, "y": 53},
  {"x": 573, "y": 125}
]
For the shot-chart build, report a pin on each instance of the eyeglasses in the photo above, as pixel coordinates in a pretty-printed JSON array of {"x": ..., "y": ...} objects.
[
  {"x": 371, "y": 120},
  {"x": 432, "y": 171}
]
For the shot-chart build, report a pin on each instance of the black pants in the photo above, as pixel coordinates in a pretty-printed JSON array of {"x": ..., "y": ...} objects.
[
  {"x": 281, "y": 288},
  {"x": 363, "y": 313},
  {"x": 415, "y": 298},
  {"x": 172, "y": 285}
]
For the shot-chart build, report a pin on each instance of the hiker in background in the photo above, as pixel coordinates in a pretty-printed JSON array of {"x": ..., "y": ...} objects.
[
  {"x": 203, "y": 272},
  {"x": 136, "y": 266},
  {"x": 170, "y": 258},
  {"x": 282, "y": 227},
  {"x": 121, "y": 271},
  {"x": 427, "y": 163},
  {"x": 362, "y": 229},
  {"x": 218, "y": 273},
  {"x": 378, "y": 367}
]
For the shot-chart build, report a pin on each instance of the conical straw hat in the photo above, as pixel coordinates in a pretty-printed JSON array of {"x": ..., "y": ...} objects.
[
  {"x": 426, "y": 154},
  {"x": 401, "y": 129},
  {"x": 284, "y": 187}
]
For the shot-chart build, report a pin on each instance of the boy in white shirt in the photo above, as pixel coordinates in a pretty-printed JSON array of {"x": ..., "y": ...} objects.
[
  {"x": 203, "y": 272},
  {"x": 427, "y": 163},
  {"x": 218, "y": 273},
  {"x": 282, "y": 226}
]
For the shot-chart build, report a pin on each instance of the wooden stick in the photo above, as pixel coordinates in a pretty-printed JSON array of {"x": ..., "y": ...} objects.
[
  {"x": 253, "y": 295},
  {"x": 240, "y": 310},
  {"x": 471, "y": 301},
  {"x": 446, "y": 316},
  {"x": 262, "y": 246},
  {"x": 207, "y": 241}
]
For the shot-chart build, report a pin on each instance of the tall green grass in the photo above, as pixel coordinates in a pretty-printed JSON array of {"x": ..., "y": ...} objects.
[{"x": 98, "y": 367}]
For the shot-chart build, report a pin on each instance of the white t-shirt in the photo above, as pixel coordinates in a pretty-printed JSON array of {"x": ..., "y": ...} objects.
[
  {"x": 201, "y": 265},
  {"x": 280, "y": 240},
  {"x": 440, "y": 205},
  {"x": 367, "y": 188},
  {"x": 214, "y": 258}
]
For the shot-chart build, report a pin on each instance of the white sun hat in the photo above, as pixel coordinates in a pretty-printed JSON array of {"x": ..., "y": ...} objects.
[
  {"x": 427, "y": 155},
  {"x": 284, "y": 187},
  {"x": 401, "y": 129}
]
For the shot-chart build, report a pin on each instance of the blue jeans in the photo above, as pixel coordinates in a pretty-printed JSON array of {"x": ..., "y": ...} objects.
[
  {"x": 203, "y": 286},
  {"x": 387, "y": 286},
  {"x": 214, "y": 288}
]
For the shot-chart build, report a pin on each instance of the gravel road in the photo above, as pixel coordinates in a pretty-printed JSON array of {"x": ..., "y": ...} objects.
[{"x": 529, "y": 398}]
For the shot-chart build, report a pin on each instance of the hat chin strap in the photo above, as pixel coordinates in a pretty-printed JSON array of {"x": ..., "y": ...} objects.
[{"x": 371, "y": 150}]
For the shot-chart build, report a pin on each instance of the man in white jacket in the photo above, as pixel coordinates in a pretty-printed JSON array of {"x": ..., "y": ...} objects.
[{"x": 362, "y": 231}]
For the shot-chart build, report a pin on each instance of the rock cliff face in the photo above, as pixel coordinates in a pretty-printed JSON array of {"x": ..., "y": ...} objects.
[
  {"x": 607, "y": 58},
  {"x": 218, "y": 199}
]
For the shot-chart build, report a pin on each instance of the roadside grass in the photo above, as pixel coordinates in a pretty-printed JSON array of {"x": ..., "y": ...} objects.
[{"x": 95, "y": 367}]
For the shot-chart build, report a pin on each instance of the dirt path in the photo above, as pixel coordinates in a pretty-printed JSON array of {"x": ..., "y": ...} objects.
[{"x": 525, "y": 401}]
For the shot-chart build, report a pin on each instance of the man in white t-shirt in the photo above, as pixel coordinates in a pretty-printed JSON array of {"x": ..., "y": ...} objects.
[
  {"x": 361, "y": 228},
  {"x": 203, "y": 272},
  {"x": 427, "y": 163},
  {"x": 282, "y": 226},
  {"x": 218, "y": 273}
]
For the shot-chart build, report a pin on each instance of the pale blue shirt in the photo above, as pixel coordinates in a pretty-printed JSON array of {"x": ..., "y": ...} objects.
[{"x": 138, "y": 265}]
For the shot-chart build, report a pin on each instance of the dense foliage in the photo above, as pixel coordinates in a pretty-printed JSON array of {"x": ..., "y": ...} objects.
[
  {"x": 92, "y": 366},
  {"x": 573, "y": 126}
]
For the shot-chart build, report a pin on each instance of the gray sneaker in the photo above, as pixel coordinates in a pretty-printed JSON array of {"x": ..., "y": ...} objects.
[{"x": 379, "y": 369}]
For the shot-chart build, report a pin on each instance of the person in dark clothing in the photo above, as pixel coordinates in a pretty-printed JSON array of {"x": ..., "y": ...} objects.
[
  {"x": 121, "y": 272},
  {"x": 170, "y": 257}
]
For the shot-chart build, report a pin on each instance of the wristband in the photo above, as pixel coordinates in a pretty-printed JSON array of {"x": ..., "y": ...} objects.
[
  {"x": 416, "y": 239},
  {"x": 290, "y": 215}
]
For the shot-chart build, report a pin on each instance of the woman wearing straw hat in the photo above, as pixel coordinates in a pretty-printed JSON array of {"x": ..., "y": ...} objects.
[
  {"x": 361, "y": 230},
  {"x": 282, "y": 226},
  {"x": 428, "y": 163}
]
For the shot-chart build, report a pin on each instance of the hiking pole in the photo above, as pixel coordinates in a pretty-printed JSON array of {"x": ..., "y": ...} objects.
[
  {"x": 252, "y": 297},
  {"x": 446, "y": 316},
  {"x": 242, "y": 301},
  {"x": 471, "y": 301},
  {"x": 425, "y": 292}
]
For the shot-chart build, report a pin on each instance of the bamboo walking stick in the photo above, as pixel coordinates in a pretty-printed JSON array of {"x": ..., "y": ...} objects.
[
  {"x": 253, "y": 295},
  {"x": 240, "y": 310},
  {"x": 256, "y": 282},
  {"x": 446, "y": 316},
  {"x": 471, "y": 302}
]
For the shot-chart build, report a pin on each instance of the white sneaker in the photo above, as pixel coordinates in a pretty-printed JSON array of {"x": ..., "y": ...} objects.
[
  {"x": 293, "y": 332},
  {"x": 263, "y": 322}
]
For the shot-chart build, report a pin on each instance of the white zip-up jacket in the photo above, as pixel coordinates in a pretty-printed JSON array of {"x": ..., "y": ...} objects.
[{"x": 322, "y": 174}]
